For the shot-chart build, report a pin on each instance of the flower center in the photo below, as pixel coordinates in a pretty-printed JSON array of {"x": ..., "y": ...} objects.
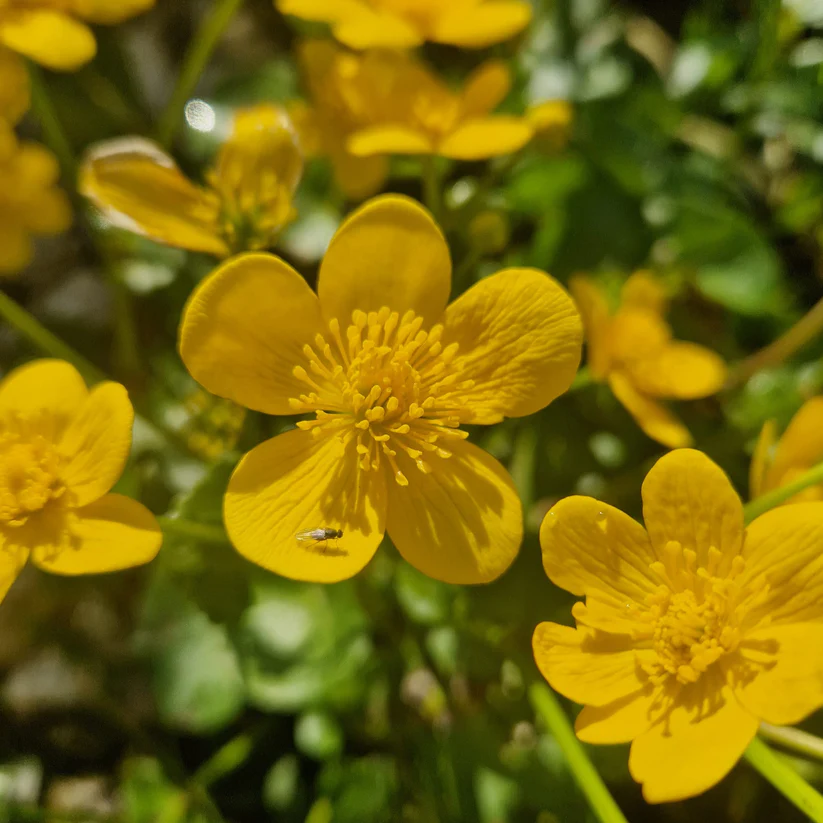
[
  {"x": 695, "y": 615},
  {"x": 29, "y": 476},
  {"x": 388, "y": 382}
]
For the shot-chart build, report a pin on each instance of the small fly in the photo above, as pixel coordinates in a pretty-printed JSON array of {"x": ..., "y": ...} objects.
[{"x": 317, "y": 536}]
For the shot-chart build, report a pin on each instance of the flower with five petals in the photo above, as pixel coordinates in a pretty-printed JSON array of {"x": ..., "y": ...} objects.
[
  {"x": 389, "y": 374},
  {"x": 62, "y": 448},
  {"x": 693, "y": 630}
]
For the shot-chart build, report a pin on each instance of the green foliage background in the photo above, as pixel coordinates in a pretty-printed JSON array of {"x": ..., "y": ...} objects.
[{"x": 201, "y": 687}]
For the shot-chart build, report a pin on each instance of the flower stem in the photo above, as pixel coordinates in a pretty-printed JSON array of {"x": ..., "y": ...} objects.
[
  {"x": 804, "y": 331},
  {"x": 197, "y": 56},
  {"x": 53, "y": 132},
  {"x": 432, "y": 194},
  {"x": 591, "y": 784},
  {"x": 767, "y": 501},
  {"x": 179, "y": 527},
  {"x": 785, "y": 779},
  {"x": 800, "y": 742}
]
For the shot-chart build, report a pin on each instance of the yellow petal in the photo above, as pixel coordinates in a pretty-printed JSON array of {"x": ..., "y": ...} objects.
[
  {"x": 389, "y": 252},
  {"x": 637, "y": 335},
  {"x": 321, "y": 11},
  {"x": 486, "y": 137},
  {"x": 590, "y": 547},
  {"x": 652, "y": 417},
  {"x": 777, "y": 673},
  {"x": 139, "y": 188},
  {"x": 96, "y": 444},
  {"x": 109, "y": 12},
  {"x": 49, "y": 212},
  {"x": 801, "y": 445},
  {"x": 694, "y": 747},
  {"x": 596, "y": 321},
  {"x": 519, "y": 337},
  {"x": 681, "y": 370},
  {"x": 16, "y": 249},
  {"x": 460, "y": 523},
  {"x": 687, "y": 498},
  {"x": 373, "y": 30},
  {"x": 14, "y": 86},
  {"x": 486, "y": 88},
  {"x": 296, "y": 482},
  {"x": 244, "y": 328},
  {"x": 594, "y": 668},
  {"x": 784, "y": 546},
  {"x": 12, "y": 561},
  {"x": 487, "y": 23},
  {"x": 642, "y": 290},
  {"x": 620, "y": 721},
  {"x": 761, "y": 459},
  {"x": 111, "y": 534},
  {"x": 389, "y": 139},
  {"x": 48, "y": 37},
  {"x": 359, "y": 177},
  {"x": 52, "y": 386}
]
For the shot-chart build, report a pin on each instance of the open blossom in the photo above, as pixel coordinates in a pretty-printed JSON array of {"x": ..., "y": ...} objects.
[
  {"x": 341, "y": 101},
  {"x": 633, "y": 351},
  {"x": 401, "y": 24},
  {"x": 778, "y": 461},
  {"x": 54, "y": 32},
  {"x": 62, "y": 448},
  {"x": 30, "y": 202},
  {"x": 245, "y": 204},
  {"x": 389, "y": 374},
  {"x": 694, "y": 629}
]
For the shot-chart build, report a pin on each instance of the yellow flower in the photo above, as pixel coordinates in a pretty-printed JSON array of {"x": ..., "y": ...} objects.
[
  {"x": 14, "y": 86},
  {"x": 30, "y": 202},
  {"x": 415, "y": 112},
  {"x": 390, "y": 374},
  {"x": 370, "y": 24},
  {"x": 778, "y": 462},
  {"x": 62, "y": 448},
  {"x": 52, "y": 32},
  {"x": 634, "y": 352},
  {"x": 552, "y": 122},
  {"x": 694, "y": 629},
  {"x": 246, "y": 203},
  {"x": 341, "y": 102}
]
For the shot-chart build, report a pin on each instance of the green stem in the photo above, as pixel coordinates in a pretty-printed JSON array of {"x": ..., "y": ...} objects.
[
  {"x": 200, "y": 50},
  {"x": 227, "y": 759},
  {"x": 179, "y": 527},
  {"x": 17, "y": 317},
  {"x": 53, "y": 133},
  {"x": 785, "y": 779},
  {"x": 800, "y": 742},
  {"x": 777, "y": 496},
  {"x": 432, "y": 194},
  {"x": 591, "y": 784}
]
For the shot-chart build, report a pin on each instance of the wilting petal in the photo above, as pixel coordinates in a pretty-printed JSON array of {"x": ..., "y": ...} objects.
[
  {"x": 389, "y": 252},
  {"x": 486, "y": 137},
  {"x": 519, "y": 337},
  {"x": 462, "y": 522},
  {"x": 486, "y": 88},
  {"x": 784, "y": 565},
  {"x": 96, "y": 444},
  {"x": 590, "y": 547},
  {"x": 651, "y": 415},
  {"x": 48, "y": 37},
  {"x": 51, "y": 386},
  {"x": 485, "y": 24},
  {"x": 777, "y": 673},
  {"x": 389, "y": 139},
  {"x": 139, "y": 188},
  {"x": 687, "y": 498},
  {"x": 244, "y": 328},
  {"x": 681, "y": 370},
  {"x": 111, "y": 534},
  {"x": 296, "y": 482},
  {"x": 695, "y": 746},
  {"x": 594, "y": 668},
  {"x": 595, "y": 314}
]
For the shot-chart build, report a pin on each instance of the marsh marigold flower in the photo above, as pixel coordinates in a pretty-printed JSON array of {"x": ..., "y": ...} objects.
[
  {"x": 633, "y": 351},
  {"x": 54, "y": 32},
  {"x": 389, "y": 373},
  {"x": 777, "y": 462},
  {"x": 14, "y": 86},
  {"x": 694, "y": 629},
  {"x": 401, "y": 24},
  {"x": 30, "y": 202},
  {"x": 62, "y": 448},
  {"x": 246, "y": 202}
]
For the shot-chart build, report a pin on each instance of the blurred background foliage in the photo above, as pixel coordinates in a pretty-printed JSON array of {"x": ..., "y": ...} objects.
[{"x": 201, "y": 687}]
